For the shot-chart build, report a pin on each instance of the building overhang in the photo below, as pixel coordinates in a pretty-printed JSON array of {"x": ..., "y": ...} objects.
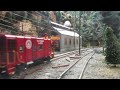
[{"x": 66, "y": 32}]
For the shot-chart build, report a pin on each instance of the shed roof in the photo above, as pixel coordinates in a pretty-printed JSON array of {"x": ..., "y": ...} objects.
[
  {"x": 66, "y": 32},
  {"x": 60, "y": 25}
]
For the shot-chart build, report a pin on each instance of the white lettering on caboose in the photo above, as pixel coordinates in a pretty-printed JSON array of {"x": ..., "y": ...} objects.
[{"x": 40, "y": 41}]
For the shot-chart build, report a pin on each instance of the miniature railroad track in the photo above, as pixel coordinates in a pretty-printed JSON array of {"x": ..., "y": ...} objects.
[
  {"x": 36, "y": 68},
  {"x": 58, "y": 56},
  {"x": 65, "y": 71},
  {"x": 84, "y": 68}
]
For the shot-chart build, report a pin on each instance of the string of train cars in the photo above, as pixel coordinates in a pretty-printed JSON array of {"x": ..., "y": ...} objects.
[{"x": 17, "y": 51}]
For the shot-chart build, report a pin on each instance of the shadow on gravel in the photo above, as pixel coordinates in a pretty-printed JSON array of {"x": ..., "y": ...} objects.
[{"x": 111, "y": 66}]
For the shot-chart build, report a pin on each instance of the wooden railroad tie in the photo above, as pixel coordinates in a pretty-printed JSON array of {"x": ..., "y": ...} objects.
[{"x": 60, "y": 66}]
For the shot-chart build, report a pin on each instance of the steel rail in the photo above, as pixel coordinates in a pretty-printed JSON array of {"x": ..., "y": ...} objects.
[
  {"x": 81, "y": 74},
  {"x": 58, "y": 56},
  {"x": 64, "y": 72}
]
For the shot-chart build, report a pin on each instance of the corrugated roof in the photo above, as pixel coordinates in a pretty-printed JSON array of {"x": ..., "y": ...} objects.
[{"x": 66, "y": 32}]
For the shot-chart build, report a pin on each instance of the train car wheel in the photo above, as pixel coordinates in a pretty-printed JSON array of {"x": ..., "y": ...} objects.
[
  {"x": 41, "y": 61},
  {"x": 20, "y": 68},
  {"x": 37, "y": 62},
  {"x": 48, "y": 59}
]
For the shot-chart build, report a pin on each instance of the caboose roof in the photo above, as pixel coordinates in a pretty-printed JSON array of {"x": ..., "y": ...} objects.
[
  {"x": 66, "y": 32},
  {"x": 15, "y": 36},
  {"x": 28, "y": 37},
  {"x": 20, "y": 36},
  {"x": 61, "y": 25},
  {"x": 10, "y": 36}
]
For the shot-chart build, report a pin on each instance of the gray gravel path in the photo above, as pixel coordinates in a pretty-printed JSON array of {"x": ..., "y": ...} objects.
[{"x": 96, "y": 69}]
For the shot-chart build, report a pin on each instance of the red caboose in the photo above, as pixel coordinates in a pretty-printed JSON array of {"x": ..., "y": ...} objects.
[{"x": 18, "y": 50}]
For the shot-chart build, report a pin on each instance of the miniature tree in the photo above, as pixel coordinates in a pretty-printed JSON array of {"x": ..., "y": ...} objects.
[{"x": 112, "y": 48}]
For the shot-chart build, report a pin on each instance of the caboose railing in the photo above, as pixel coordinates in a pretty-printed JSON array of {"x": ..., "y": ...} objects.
[
  {"x": 11, "y": 57},
  {"x": 7, "y": 57}
]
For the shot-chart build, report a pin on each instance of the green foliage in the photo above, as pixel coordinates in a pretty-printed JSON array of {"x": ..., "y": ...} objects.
[
  {"x": 112, "y": 51},
  {"x": 112, "y": 19},
  {"x": 91, "y": 27},
  {"x": 62, "y": 16}
]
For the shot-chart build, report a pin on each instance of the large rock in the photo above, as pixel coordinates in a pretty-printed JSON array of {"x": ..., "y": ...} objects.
[{"x": 67, "y": 23}]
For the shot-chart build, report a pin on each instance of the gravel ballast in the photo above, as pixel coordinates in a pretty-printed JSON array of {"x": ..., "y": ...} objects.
[{"x": 96, "y": 69}]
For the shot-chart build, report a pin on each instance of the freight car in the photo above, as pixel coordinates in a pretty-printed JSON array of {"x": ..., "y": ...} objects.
[{"x": 18, "y": 51}]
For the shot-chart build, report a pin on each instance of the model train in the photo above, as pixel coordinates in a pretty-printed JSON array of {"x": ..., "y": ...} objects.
[{"x": 20, "y": 50}]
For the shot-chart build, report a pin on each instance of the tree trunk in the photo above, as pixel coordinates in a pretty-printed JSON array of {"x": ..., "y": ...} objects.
[{"x": 99, "y": 44}]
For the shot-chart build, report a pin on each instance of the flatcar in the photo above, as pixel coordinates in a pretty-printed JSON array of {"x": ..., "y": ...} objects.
[{"x": 21, "y": 50}]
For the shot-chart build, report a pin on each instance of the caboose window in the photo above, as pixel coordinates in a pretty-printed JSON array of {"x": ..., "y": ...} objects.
[
  {"x": 40, "y": 47},
  {"x": 21, "y": 49}
]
